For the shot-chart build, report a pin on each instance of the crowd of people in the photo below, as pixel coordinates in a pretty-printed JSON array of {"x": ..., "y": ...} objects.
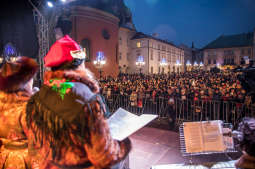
[{"x": 199, "y": 85}]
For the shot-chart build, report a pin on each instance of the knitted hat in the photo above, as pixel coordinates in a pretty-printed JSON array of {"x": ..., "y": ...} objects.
[
  {"x": 14, "y": 75},
  {"x": 63, "y": 51}
]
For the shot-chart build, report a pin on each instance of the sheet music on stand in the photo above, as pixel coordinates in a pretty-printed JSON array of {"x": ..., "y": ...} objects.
[{"x": 204, "y": 138}]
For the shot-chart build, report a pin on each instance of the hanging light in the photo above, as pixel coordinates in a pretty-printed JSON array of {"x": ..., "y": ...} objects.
[
  {"x": 188, "y": 63},
  {"x": 140, "y": 61},
  {"x": 100, "y": 59},
  {"x": 50, "y": 4},
  {"x": 163, "y": 62}
]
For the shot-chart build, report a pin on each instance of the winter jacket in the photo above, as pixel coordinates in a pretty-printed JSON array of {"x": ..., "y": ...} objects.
[{"x": 69, "y": 129}]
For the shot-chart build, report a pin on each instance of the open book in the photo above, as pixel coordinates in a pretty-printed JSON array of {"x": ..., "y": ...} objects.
[
  {"x": 123, "y": 123},
  {"x": 205, "y": 136}
]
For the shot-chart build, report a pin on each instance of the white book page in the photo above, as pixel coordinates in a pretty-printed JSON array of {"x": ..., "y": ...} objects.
[
  {"x": 123, "y": 123},
  {"x": 193, "y": 137},
  {"x": 213, "y": 136}
]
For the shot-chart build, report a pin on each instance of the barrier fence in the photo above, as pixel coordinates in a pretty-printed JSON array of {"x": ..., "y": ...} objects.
[{"x": 180, "y": 110}]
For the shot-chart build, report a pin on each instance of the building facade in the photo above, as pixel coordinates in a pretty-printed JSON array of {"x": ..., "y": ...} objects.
[
  {"x": 229, "y": 50},
  {"x": 125, "y": 35},
  {"x": 97, "y": 31},
  {"x": 154, "y": 52}
]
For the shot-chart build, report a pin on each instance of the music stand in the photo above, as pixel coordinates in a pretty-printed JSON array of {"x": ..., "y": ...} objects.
[{"x": 189, "y": 155}]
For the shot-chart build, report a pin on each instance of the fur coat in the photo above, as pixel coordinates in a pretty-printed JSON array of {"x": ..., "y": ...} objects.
[
  {"x": 14, "y": 144},
  {"x": 67, "y": 120}
]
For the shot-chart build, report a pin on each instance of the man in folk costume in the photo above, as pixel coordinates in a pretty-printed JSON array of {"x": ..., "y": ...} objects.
[
  {"x": 67, "y": 115},
  {"x": 16, "y": 81}
]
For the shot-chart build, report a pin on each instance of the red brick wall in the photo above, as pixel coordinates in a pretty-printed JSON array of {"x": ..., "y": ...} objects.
[{"x": 89, "y": 23}]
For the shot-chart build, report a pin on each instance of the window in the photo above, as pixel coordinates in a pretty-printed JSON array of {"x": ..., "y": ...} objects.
[
  {"x": 163, "y": 48},
  {"x": 120, "y": 41},
  {"x": 232, "y": 61},
  {"x": 242, "y": 62},
  {"x": 138, "y": 44},
  {"x": 249, "y": 51},
  {"x": 158, "y": 56},
  {"x": 214, "y": 61},
  {"x": 106, "y": 35},
  {"x": 210, "y": 53},
  {"x": 120, "y": 55},
  {"x": 225, "y": 61},
  {"x": 151, "y": 69},
  {"x": 151, "y": 54},
  {"x": 242, "y": 52},
  {"x": 209, "y": 61},
  {"x": 85, "y": 43},
  {"x": 158, "y": 46},
  {"x": 158, "y": 69}
]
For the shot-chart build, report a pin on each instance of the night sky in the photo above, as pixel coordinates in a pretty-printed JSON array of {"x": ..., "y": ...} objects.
[{"x": 201, "y": 21}]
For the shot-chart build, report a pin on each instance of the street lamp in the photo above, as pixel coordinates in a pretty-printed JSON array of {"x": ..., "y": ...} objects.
[
  {"x": 10, "y": 53},
  {"x": 140, "y": 63},
  {"x": 99, "y": 62},
  {"x": 178, "y": 64},
  {"x": 201, "y": 65},
  {"x": 188, "y": 65},
  {"x": 163, "y": 63},
  {"x": 195, "y": 65}
]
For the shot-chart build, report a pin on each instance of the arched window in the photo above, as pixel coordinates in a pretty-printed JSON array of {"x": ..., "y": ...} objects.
[{"x": 85, "y": 43}]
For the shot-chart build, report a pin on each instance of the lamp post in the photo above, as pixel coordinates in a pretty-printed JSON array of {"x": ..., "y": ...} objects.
[
  {"x": 195, "y": 65},
  {"x": 99, "y": 62},
  {"x": 140, "y": 63},
  {"x": 201, "y": 65},
  {"x": 178, "y": 64},
  {"x": 10, "y": 53},
  {"x": 163, "y": 63},
  {"x": 188, "y": 65}
]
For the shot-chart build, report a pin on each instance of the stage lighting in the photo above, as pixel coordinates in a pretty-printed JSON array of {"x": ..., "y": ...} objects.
[
  {"x": 63, "y": 1},
  {"x": 50, "y": 4}
]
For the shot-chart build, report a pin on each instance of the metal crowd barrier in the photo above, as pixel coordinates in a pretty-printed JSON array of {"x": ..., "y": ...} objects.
[{"x": 182, "y": 110}]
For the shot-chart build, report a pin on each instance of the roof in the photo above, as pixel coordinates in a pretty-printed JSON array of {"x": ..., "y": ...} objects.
[
  {"x": 230, "y": 41},
  {"x": 140, "y": 35},
  {"x": 127, "y": 27}
]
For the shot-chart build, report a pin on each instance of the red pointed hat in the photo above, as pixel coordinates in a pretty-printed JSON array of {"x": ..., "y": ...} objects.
[{"x": 61, "y": 52}]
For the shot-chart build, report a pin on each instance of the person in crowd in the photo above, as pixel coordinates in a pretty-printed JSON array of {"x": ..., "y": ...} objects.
[
  {"x": 16, "y": 82},
  {"x": 247, "y": 144},
  {"x": 66, "y": 117}
]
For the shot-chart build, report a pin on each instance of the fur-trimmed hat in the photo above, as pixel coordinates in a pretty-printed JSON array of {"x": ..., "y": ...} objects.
[
  {"x": 14, "y": 75},
  {"x": 63, "y": 51}
]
